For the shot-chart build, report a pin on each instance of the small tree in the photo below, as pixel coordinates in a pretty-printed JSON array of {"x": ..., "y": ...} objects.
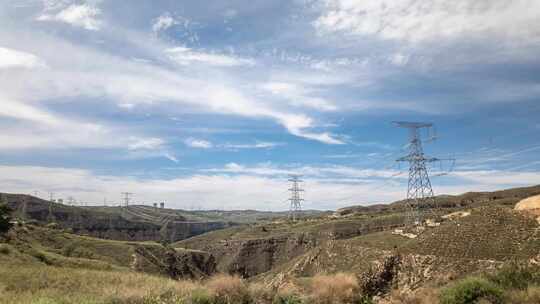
[{"x": 5, "y": 211}]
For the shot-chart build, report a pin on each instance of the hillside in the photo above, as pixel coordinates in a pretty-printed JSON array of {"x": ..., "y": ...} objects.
[
  {"x": 486, "y": 235},
  {"x": 55, "y": 247},
  {"x": 135, "y": 223},
  {"x": 508, "y": 197},
  {"x": 489, "y": 237}
]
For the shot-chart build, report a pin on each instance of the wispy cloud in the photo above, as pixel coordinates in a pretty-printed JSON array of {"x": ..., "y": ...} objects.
[
  {"x": 257, "y": 145},
  {"x": 83, "y": 15},
  {"x": 198, "y": 143},
  {"x": 146, "y": 143},
  {"x": 415, "y": 21},
  {"x": 163, "y": 22},
  {"x": 10, "y": 58},
  {"x": 187, "y": 56},
  {"x": 298, "y": 95}
]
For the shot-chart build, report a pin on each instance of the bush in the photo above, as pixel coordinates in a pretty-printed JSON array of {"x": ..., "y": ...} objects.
[
  {"x": 338, "y": 288},
  {"x": 287, "y": 294},
  {"x": 200, "y": 296},
  {"x": 227, "y": 289},
  {"x": 470, "y": 290},
  {"x": 516, "y": 277},
  {"x": 287, "y": 299},
  {"x": 260, "y": 293},
  {"x": 4, "y": 249},
  {"x": 5, "y": 211}
]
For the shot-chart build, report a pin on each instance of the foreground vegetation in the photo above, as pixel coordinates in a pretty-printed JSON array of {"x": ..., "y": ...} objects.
[
  {"x": 41, "y": 284},
  {"x": 37, "y": 283},
  {"x": 513, "y": 284}
]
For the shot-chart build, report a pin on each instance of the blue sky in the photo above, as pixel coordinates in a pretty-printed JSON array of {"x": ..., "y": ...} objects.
[{"x": 210, "y": 104}]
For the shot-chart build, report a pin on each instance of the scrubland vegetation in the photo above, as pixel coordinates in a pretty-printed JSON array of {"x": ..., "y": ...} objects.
[
  {"x": 513, "y": 284},
  {"x": 41, "y": 284}
]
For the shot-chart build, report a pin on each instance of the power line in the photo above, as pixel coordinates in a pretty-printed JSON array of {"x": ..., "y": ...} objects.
[{"x": 296, "y": 199}]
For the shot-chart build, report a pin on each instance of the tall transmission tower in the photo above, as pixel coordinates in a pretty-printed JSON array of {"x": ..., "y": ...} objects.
[
  {"x": 296, "y": 199},
  {"x": 127, "y": 197},
  {"x": 419, "y": 191}
]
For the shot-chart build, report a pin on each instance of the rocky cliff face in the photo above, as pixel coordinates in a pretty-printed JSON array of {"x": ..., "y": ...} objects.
[
  {"x": 114, "y": 226},
  {"x": 177, "y": 264}
]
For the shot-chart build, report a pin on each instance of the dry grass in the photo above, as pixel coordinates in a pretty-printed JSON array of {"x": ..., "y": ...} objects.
[
  {"x": 337, "y": 288},
  {"x": 529, "y": 296},
  {"x": 228, "y": 289},
  {"x": 46, "y": 284},
  {"x": 261, "y": 294},
  {"x": 420, "y": 296}
]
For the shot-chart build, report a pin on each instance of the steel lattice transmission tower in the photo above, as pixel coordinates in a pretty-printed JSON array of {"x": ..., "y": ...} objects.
[
  {"x": 419, "y": 191},
  {"x": 127, "y": 197},
  {"x": 296, "y": 199}
]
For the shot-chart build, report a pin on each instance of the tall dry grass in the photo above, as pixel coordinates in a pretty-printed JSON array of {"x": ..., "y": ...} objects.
[
  {"x": 336, "y": 288},
  {"x": 226, "y": 289},
  {"x": 36, "y": 284}
]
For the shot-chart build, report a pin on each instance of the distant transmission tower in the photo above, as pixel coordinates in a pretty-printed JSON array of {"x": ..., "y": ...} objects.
[
  {"x": 296, "y": 199},
  {"x": 127, "y": 197},
  {"x": 419, "y": 192}
]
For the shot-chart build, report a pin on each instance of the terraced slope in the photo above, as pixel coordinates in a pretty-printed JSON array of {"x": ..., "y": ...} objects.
[
  {"x": 488, "y": 233},
  {"x": 492, "y": 235},
  {"x": 135, "y": 223}
]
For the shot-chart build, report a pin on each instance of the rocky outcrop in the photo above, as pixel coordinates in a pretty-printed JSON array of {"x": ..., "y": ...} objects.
[{"x": 177, "y": 264}]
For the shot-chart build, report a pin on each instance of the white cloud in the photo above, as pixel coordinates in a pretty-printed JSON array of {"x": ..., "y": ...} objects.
[
  {"x": 399, "y": 59},
  {"x": 332, "y": 172},
  {"x": 92, "y": 74},
  {"x": 163, "y": 22},
  {"x": 211, "y": 191},
  {"x": 250, "y": 188},
  {"x": 10, "y": 58},
  {"x": 198, "y": 143},
  {"x": 34, "y": 128},
  {"x": 257, "y": 145},
  {"x": 416, "y": 21},
  {"x": 187, "y": 56},
  {"x": 297, "y": 125},
  {"x": 171, "y": 157},
  {"x": 298, "y": 95},
  {"x": 145, "y": 143},
  {"x": 21, "y": 111},
  {"x": 84, "y": 15}
]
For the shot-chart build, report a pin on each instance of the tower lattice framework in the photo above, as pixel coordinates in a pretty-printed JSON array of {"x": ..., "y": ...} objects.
[
  {"x": 296, "y": 198},
  {"x": 419, "y": 191}
]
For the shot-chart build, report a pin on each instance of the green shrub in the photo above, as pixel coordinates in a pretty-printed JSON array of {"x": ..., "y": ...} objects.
[
  {"x": 4, "y": 249},
  {"x": 470, "y": 290},
  {"x": 366, "y": 300},
  {"x": 516, "y": 277},
  {"x": 201, "y": 296},
  {"x": 287, "y": 299},
  {"x": 40, "y": 256},
  {"x": 5, "y": 211}
]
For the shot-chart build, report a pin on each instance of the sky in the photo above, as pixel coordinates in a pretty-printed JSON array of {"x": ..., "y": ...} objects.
[{"x": 211, "y": 104}]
